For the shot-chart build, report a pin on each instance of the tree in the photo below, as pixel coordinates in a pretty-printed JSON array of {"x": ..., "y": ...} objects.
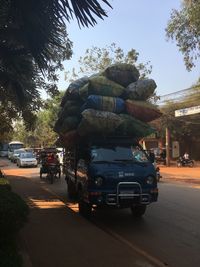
[
  {"x": 97, "y": 59},
  {"x": 33, "y": 44},
  {"x": 184, "y": 27},
  {"x": 42, "y": 134}
]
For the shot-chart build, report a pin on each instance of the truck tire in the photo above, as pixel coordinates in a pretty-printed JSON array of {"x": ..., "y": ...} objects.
[
  {"x": 85, "y": 209},
  {"x": 138, "y": 211},
  {"x": 40, "y": 174},
  {"x": 51, "y": 178},
  {"x": 71, "y": 189}
]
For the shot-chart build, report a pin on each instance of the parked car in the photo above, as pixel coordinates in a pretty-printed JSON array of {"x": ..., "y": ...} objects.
[
  {"x": 27, "y": 159},
  {"x": 16, "y": 154}
]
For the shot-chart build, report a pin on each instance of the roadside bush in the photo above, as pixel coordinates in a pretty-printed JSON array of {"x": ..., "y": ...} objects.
[
  {"x": 13, "y": 212},
  {"x": 4, "y": 183},
  {"x": 9, "y": 256}
]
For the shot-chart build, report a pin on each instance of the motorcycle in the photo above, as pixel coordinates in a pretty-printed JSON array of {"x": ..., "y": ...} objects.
[{"x": 181, "y": 162}]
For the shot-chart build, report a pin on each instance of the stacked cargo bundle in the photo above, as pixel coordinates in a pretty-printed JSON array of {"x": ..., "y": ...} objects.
[{"x": 114, "y": 102}]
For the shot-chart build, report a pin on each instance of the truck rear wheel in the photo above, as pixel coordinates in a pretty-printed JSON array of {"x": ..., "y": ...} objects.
[
  {"x": 85, "y": 209},
  {"x": 138, "y": 210}
]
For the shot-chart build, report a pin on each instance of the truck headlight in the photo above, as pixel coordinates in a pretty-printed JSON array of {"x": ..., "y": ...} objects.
[
  {"x": 150, "y": 180},
  {"x": 98, "y": 181}
]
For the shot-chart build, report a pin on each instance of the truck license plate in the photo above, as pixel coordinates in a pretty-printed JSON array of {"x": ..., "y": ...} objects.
[{"x": 127, "y": 193}]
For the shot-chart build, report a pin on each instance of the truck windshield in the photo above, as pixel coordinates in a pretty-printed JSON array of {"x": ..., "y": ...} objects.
[{"x": 118, "y": 153}]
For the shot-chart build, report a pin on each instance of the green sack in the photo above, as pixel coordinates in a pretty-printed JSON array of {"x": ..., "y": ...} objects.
[
  {"x": 86, "y": 129},
  {"x": 72, "y": 92},
  {"x": 132, "y": 127},
  {"x": 69, "y": 123},
  {"x": 100, "y": 85},
  {"x": 58, "y": 125},
  {"x": 100, "y": 121},
  {"x": 84, "y": 91},
  {"x": 141, "y": 90},
  {"x": 122, "y": 73},
  {"x": 70, "y": 108}
]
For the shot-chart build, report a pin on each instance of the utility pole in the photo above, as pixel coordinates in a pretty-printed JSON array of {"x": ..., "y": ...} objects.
[{"x": 167, "y": 144}]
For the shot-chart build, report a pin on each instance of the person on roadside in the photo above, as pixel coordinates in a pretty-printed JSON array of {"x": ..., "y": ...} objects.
[{"x": 163, "y": 156}]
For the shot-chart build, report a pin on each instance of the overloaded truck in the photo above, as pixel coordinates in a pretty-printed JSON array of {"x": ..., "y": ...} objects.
[
  {"x": 112, "y": 172},
  {"x": 101, "y": 120}
]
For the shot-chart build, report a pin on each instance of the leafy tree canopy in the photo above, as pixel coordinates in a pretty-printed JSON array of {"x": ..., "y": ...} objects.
[
  {"x": 97, "y": 59},
  {"x": 42, "y": 134},
  {"x": 33, "y": 44},
  {"x": 184, "y": 28}
]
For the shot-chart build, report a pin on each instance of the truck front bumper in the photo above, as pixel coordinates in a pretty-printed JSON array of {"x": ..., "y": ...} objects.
[{"x": 127, "y": 194}]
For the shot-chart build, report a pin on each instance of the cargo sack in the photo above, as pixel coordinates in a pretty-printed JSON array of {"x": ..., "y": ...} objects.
[
  {"x": 132, "y": 127},
  {"x": 101, "y": 121},
  {"x": 86, "y": 129},
  {"x": 122, "y": 73},
  {"x": 58, "y": 125},
  {"x": 84, "y": 91},
  {"x": 69, "y": 123},
  {"x": 70, "y": 138},
  {"x": 143, "y": 111},
  {"x": 72, "y": 92},
  {"x": 69, "y": 109},
  {"x": 105, "y": 103},
  {"x": 141, "y": 90},
  {"x": 100, "y": 85}
]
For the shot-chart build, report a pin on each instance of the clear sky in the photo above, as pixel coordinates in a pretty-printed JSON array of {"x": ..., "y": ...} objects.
[{"x": 139, "y": 25}]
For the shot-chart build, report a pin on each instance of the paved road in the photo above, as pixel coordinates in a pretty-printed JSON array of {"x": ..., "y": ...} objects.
[
  {"x": 57, "y": 236},
  {"x": 168, "y": 235}
]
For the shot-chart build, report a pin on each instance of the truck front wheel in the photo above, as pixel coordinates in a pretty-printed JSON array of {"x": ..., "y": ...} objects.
[
  {"x": 71, "y": 189},
  {"x": 85, "y": 209},
  {"x": 138, "y": 210}
]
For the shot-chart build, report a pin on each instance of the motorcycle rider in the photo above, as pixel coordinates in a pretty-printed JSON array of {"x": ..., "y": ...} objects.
[
  {"x": 53, "y": 159},
  {"x": 186, "y": 157}
]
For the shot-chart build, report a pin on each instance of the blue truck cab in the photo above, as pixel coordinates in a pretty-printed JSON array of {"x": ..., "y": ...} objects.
[{"x": 110, "y": 172}]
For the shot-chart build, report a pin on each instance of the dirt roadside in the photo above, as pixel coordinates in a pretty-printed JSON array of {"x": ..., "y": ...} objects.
[{"x": 181, "y": 175}]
